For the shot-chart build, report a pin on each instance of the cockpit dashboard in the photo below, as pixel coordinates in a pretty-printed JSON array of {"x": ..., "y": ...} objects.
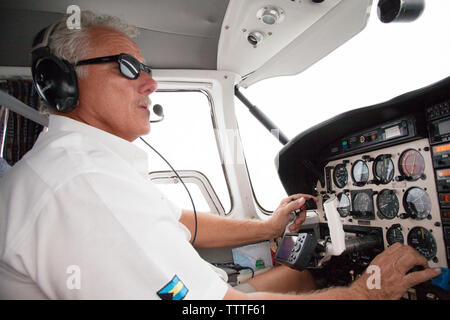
[{"x": 388, "y": 166}]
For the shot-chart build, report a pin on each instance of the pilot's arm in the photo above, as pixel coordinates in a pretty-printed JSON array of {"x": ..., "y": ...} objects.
[
  {"x": 394, "y": 264},
  {"x": 215, "y": 231}
]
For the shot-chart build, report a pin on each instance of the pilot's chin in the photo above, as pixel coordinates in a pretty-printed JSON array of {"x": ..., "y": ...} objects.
[{"x": 147, "y": 130}]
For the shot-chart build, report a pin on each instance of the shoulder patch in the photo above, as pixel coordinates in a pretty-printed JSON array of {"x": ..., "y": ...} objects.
[{"x": 174, "y": 290}]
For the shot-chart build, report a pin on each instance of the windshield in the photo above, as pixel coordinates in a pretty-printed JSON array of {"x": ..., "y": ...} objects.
[{"x": 380, "y": 63}]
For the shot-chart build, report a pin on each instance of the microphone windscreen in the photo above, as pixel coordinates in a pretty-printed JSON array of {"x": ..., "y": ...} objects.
[{"x": 158, "y": 110}]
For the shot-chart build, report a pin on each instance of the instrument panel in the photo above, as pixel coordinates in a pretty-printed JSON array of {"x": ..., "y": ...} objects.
[
  {"x": 392, "y": 188},
  {"x": 389, "y": 167}
]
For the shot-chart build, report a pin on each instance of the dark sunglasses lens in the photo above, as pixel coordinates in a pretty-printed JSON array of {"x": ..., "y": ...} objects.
[
  {"x": 148, "y": 70},
  {"x": 129, "y": 67}
]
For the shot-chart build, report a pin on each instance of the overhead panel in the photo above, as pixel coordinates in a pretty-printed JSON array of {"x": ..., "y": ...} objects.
[{"x": 308, "y": 31}]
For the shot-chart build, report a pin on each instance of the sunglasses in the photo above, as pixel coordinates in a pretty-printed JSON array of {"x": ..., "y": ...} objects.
[{"x": 129, "y": 66}]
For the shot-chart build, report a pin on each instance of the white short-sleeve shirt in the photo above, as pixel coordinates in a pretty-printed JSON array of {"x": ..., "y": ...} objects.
[{"x": 79, "y": 219}]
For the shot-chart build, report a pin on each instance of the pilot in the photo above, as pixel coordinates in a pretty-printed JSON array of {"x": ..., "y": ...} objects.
[{"x": 80, "y": 219}]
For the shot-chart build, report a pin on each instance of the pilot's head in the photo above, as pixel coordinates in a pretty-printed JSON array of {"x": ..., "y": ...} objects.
[{"x": 110, "y": 93}]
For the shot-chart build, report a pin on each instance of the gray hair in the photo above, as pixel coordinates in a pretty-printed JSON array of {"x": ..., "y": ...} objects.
[{"x": 74, "y": 45}]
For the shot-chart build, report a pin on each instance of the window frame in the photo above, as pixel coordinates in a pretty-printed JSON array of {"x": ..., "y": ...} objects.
[{"x": 210, "y": 101}]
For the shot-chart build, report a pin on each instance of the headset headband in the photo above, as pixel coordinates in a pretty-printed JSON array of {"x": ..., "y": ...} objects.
[{"x": 43, "y": 43}]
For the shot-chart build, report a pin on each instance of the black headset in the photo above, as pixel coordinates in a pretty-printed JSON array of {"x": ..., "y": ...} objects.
[{"x": 55, "y": 79}]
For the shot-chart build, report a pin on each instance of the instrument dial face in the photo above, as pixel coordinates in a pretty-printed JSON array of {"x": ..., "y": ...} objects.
[
  {"x": 417, "y": 203},
  {"x": 344, "y": 205},
  {"x": 383, "y": 169},
  {"x": 412, "y": 164},
  {"x": 394, "y": 234},
  {"x": 387, "y": 203},
  {"x": 360, "y": 172},
  {"x": 423, "y": 241},
  {"x": 362, "y": 204},
  {"x": 340, "y": 175}
]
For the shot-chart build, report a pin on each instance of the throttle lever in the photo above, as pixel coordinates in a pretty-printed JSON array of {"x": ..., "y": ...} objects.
[{"x": 309, "y": 204}]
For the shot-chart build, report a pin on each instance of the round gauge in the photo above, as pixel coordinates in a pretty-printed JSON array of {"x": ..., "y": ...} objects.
[
  {"x": 423, "y": 241},
  {"x": 411, "y": 164},
  {"x": 383, "y": 169},
  {"x": 387, "y": 203},
  {"x": 344, "y": 205},
  {"x": 340, "y": 175},
  {"x": 360, "y": 172},
  {"x": 417, "y": 203},
  {"x": 394, "y": 234},
  {"x": 362, "y": 202}
]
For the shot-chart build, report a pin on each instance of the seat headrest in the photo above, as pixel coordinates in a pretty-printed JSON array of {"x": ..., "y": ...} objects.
[{"x": 4, "y": 166}]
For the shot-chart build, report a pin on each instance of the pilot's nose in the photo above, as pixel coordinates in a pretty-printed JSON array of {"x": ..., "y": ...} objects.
[{"x": 147, "y": 84}]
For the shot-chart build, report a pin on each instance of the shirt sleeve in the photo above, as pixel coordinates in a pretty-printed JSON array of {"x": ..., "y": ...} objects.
[{"x": 111, "y": 237}]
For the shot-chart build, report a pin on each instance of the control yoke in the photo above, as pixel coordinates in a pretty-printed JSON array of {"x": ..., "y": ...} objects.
[
  {"x": 304, "y": 250},
  {"x": 337, "y": 236}
]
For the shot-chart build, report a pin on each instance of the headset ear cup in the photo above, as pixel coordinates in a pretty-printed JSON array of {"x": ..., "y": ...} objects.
[
  {"x": 68, "y": 88},
  {"x": 56, "y": 82}
]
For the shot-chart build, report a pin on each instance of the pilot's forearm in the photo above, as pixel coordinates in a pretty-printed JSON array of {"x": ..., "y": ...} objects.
[
  {"x": 326, "y": 294},
  {"x": 214, "y": 231},
  {"x": 337, "y": 293}
]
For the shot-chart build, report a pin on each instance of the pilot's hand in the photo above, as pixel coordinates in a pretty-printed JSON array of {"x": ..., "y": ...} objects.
[
  {"x": 394, "y": 264},
  {"x": 281, "y": 216}
]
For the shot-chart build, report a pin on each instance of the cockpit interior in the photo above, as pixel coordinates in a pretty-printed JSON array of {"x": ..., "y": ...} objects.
[{"x": 380, "y": 171}]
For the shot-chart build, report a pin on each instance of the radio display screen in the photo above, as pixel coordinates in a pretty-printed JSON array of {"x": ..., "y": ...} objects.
[
  {"x": 444, "y": 198},
  {"x": 444, "y": 127},
  {"x": 285, "y": 249},
  {"x": 443, "y": 174},
  {"x": 441, "y": 148}
]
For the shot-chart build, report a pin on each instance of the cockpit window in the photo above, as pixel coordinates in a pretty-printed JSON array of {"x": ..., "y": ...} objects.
[
  {"x": 185, "y": 137},
  {"x": 381, "y": 62}
]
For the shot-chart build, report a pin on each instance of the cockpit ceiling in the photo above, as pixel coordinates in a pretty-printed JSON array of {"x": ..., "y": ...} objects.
[
  {"x": 203, "y": 34},
  {"x": 173, "y": 34}
]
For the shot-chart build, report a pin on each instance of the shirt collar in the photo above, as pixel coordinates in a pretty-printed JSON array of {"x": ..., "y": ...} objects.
[{"x": 123, "y": 148}]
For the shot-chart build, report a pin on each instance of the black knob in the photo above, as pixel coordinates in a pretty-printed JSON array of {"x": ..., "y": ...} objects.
[{"x": 400, "y": 11}]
